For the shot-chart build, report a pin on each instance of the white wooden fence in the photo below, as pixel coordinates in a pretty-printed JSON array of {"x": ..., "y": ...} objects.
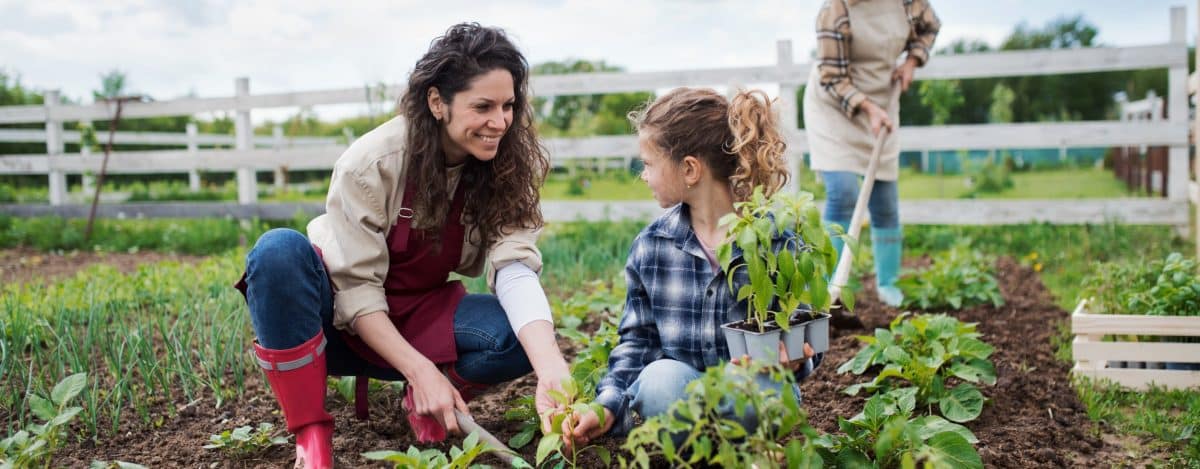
[{"x": 246, "y": 160}]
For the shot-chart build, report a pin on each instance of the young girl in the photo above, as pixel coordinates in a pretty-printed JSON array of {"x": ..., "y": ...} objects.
[
  {"x": 702, "y": 153},
  {"x": 451, "y": 185}
]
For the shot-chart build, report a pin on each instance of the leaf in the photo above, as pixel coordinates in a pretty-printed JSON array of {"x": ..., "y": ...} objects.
[
  {"x": 523, "y": 438},
  {"x": 68, "y": 388},
  {"x": 931, "y": 425},
  {"x": 550, "y": 443},
  {"x": 66, "y": 416},
  {"x": 950, "y": 449},
  {"x": 962, "y": 404},
  {"x": 975, "y": 371},
  {"x": 41, "y": 407}
]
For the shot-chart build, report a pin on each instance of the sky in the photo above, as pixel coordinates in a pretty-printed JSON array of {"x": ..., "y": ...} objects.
[{"x": 175, "y": 48}]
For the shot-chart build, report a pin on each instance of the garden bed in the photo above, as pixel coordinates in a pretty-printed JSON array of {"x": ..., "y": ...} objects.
[{"x": 1033, "y": 417}]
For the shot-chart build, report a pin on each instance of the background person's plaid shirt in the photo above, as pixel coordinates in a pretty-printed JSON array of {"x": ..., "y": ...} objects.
[
  {"x": 674, "y": 308},
  {"x": 834, "y": 33}
]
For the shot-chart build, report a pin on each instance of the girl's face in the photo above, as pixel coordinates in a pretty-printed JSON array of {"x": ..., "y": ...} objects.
[
  {"x": 665, "y": 177},
  {"x": 478, "y": 117}
]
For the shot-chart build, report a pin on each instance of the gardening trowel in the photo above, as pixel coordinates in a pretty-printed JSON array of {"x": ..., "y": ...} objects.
[{"x": 468, "y": 426}]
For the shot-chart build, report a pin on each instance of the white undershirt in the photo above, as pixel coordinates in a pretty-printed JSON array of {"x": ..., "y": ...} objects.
[{"x": 521, "y": 295}]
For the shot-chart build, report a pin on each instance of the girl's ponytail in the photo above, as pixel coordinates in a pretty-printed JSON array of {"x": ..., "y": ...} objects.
[{"x": 757, "y": 144}]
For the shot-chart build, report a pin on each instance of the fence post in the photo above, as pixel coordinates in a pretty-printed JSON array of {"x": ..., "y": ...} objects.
[
  {"x": 54, "y": 149},
  {"x": 193, "y": 149},
  {"x": 280, "y": 171},
  {"x": 246, "y": 178},
  {"x": 1196, "y": 161},
  {"x": 788, "y": 108},
  {"x": 1177, "y": 111}
]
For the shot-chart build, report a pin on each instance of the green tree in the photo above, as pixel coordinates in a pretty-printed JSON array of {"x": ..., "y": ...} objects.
[{"x": 578, "y": 115}]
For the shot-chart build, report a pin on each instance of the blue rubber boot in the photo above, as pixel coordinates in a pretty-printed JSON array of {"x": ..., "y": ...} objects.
[{"x": 886, "y": 243}]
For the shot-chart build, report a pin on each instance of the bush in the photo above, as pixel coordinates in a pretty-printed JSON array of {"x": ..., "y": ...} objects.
[{"x": 958, "y": 278}]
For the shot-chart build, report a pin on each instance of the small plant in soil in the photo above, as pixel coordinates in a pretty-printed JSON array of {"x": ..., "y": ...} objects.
[
  {"x": 782, "y": 274},
  {"x": 959, "y": 277},
  {"x": 926, "y": 352},
  {"x": 246, "y": 440},
  {"x": 884, "y": 434},
  {"x": 114, "y": 465},
  {"x": 37, "y": 442},
  {"x": 699, "y": 432},
  {"x": 457, "y": 458},
  {"x": 591, "y": 361},
  {"x": 551, "y": 447}
]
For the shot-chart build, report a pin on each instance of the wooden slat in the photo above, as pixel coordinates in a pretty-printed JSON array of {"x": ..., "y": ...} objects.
[
  {"x": 1129, "y": 324},
  {"x": 1057, "y": 211},
  {"x": 1136, "y": 351},
  {"x": 1043, "y": 135},
  {"x": 1052, "y": 62},
  {"x": 1138, "y": 379}
]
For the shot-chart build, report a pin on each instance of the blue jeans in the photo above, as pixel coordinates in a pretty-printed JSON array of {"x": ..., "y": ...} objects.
[
  {"x": 664, "y": 381},
  {"x": 841, "y": 193},
  {"x": 290, "y": 299}
]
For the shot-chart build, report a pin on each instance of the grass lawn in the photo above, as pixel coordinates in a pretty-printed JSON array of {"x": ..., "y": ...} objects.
[{"x": 1079, "y": 183}]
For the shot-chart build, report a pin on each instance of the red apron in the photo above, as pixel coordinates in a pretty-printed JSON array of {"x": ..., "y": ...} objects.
[{"x": 421, "y": 302}]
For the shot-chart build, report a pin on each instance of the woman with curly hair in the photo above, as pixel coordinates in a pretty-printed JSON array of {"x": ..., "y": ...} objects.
[{"x": 448, "y": 186}]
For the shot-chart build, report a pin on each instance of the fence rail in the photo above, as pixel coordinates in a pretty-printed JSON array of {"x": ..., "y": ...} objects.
[{"x": 246, "y": 160}]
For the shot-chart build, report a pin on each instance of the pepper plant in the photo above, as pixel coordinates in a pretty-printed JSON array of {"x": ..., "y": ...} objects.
[
  {"x": 551, "y": 447},
  {"x": 457, "y": 458},
  {"x": 246, "y": 440},
  {"x": 958, "y": 277},
  {"x": 885, "y": 434},
  {"x": 37, "y": 442},
  {"x": 781, "y": 277},
  {"x": 699, "y": 431},
  {"x": 925, "y": 352}
]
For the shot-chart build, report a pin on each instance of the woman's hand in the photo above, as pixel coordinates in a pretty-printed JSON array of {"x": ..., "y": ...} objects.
[
  {"x": 435, "y": 396},
  {"x": 546, "y": 406},
  {"x": 784, "y": 358},
  {"x": 904, "y": 73},
  {"x": 876, "y": 116},
  {"x": 587, "y": 429}
]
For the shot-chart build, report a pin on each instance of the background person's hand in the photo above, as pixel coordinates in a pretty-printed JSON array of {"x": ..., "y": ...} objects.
[
  {"x": 903, "y": 74},
  {"x": 876, "y": 116}
]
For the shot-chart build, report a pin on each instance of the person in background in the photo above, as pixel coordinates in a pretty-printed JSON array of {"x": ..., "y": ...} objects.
[{"x": 858, "y": 44}]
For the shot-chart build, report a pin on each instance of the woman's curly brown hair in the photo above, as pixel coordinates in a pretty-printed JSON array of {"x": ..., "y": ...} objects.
[{"x": 501, "y": 194}]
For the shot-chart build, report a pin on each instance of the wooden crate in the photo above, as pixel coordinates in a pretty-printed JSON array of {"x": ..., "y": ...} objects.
[{"x": 1092, "y": 354}]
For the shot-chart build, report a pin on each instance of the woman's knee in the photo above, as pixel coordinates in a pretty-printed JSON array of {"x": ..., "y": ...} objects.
[{"x": 279, "y": 251}]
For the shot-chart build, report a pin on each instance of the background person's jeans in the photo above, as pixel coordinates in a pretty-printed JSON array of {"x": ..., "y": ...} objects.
[
  {"x": 290, "y": 299},
  {"x": 841, "y": 193}
]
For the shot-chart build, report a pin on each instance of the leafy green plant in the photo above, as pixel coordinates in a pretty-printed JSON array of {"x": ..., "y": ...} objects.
[
  {"x": 1162, "y": 287},
  {"x": 885, "y": 435},
  {"x": 988, "y": 178},
  {"x": 591, "y": 361},
  {"x": 574, "y": 405},
  {"x": 698, "y": 431},
  {"x": 457, "y": 458},
  {"x": 926, "y": 352},
  {"x": 780, "y": 278},
  {"x": 957, "y": 278},
  {"x": 245, "y": 440},
  {"x": 37, "y": 442}
]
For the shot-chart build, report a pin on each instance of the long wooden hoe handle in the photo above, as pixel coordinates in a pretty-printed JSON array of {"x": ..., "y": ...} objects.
[
  {"x": 468, "y": 426},
  {"x": 842, "y": 273}
]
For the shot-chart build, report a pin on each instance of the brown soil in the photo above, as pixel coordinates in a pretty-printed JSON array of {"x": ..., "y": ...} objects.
[
  {"x": 1032, "y": 418},
  {"x": 27, "y": 264}
]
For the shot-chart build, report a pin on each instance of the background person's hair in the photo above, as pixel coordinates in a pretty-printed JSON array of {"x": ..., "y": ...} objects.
[
  {"x": 739, "y": 139},
  {"x": 502, "y": 193}
]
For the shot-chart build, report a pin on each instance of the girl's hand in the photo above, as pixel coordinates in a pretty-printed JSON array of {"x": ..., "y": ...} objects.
[
  {"x": 587, "y": 429},
  {"x": 784, "y": 358},
  {"x": 876, "y": 116}
]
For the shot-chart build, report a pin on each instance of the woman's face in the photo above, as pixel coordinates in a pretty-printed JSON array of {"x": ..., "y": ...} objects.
[
  {"x": 660, "y": 173},
  {"x": 474, "y": 122}
]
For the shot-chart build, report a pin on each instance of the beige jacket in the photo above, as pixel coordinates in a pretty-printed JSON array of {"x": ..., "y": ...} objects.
[{"x": 365, "y": 195}]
